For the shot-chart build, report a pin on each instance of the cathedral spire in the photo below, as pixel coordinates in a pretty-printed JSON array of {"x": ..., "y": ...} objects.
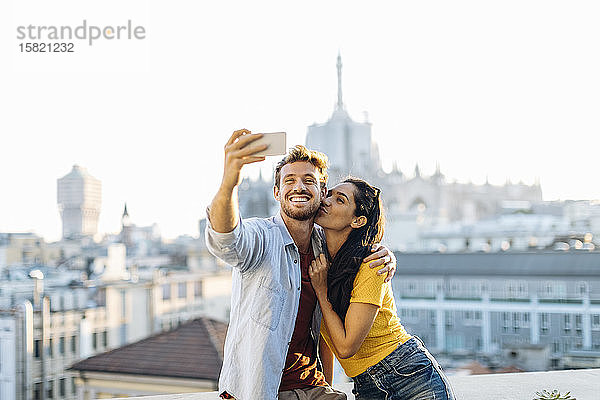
[
  {"x": 125, "y": 213},
  {"x": 340, "y": 104}
]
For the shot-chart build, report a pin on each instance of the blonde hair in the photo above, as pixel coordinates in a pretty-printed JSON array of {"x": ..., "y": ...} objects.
[{"x": 301, "y": 153}]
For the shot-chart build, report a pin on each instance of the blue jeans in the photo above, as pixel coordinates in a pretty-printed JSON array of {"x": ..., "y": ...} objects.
[{"x": 409, "y": 373}]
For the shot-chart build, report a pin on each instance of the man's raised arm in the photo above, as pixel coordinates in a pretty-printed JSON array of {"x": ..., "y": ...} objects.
[{"x": 224, "y": 209}]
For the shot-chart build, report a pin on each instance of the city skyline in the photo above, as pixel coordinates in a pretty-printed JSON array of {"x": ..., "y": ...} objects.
[{"x": 499, "y": 91}]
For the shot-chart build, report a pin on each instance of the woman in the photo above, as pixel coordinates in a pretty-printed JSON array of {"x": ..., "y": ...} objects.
[{"x": 360, "y": 325}]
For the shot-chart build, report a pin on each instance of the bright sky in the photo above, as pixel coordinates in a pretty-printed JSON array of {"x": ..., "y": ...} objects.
[{"x": 504, "y": 89}]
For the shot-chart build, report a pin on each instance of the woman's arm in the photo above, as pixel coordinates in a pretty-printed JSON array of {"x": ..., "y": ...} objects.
[
  {"x": 327, "y": 360},
  {"x": 347, "y": 336}
]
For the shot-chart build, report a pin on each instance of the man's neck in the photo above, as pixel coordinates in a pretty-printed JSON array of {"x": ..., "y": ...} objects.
[{"x": 300, "y": 231}]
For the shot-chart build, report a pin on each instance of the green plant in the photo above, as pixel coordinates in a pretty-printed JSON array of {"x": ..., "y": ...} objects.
[{"x": 554, "y": 395}]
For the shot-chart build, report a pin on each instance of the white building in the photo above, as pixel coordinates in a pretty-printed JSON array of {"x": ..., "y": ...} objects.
[
  {"x": 520, "y": 226},
  {"x": 79, "y": 200}
]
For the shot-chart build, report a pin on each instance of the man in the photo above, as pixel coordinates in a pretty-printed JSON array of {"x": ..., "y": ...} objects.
[{"x": 272, "y": 340}]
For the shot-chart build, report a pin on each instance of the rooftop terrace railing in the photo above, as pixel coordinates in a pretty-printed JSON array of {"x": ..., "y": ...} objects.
[{"x": 584, "y": 384}]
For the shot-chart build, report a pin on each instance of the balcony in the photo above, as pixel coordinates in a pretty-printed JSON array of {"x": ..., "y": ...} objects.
[{"x": 584, "y": 384}]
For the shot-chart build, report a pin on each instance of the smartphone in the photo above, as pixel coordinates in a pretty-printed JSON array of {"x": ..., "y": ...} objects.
[{"x": 276, "y": 142}]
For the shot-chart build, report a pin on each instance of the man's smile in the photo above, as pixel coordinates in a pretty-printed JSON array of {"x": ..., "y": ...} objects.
[{"x": 299, "y": 198}]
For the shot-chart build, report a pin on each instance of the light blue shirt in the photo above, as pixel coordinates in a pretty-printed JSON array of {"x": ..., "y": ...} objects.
[{"x": 264, "y": 303}]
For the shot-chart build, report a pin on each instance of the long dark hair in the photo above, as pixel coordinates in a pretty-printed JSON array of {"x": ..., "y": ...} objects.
[{"x": 347, "y": 261}]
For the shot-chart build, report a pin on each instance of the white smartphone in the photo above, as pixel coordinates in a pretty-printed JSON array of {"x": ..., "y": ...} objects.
[{"x": 276, "y": 142}]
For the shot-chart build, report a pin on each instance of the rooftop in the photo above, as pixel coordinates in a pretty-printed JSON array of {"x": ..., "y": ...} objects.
[
  {"x": 192, "y": 350},
  {"x": 534, "y": 263}
]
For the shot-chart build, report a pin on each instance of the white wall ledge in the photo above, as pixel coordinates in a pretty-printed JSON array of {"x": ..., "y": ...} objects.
[{"x": 584, "y": 384}]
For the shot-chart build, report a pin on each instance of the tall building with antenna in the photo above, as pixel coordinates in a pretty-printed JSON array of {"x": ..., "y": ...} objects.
[
  {"x": 79, "y": 197},
  {"x": 347, "y": 143},
  {"x": 126, "y": 227}
]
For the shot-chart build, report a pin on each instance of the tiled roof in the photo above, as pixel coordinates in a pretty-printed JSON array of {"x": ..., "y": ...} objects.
[{"x": 192, "y": 350}]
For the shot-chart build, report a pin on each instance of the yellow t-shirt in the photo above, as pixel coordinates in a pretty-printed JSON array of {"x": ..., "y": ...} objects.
[{"x": 386, "y": 334}]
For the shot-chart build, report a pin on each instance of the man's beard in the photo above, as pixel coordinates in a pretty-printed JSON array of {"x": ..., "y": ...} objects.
[{"x": 300, "y": 215}]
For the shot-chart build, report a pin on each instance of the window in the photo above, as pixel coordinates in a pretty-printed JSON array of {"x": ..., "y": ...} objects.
[
  {"x": 525, "y": 320},
  {"x": 182, "y": 290},
  {"x": 95, "y": 341},
  {"x": 472, "y": 317},
  {"x": 410, "y": 315},
  {"x": 554, "y": 290},
  {"x": 578, "y": 323},
  {"x": 37, "y": 391},
  {"x": 474, "y": 288},
  {"x": 166, "y": 288},
  {"x": 104, "y": 338},
  {"x": 50, "y": 348},
  {"x": 101, "y": 297},
  {"x": 454, "y": 288},
  {"x": 567, "y": 319},
  {"x": 62, "y": 387},
  {"x": 596, "y": 322},
  {"x": 412, "y": 288},
  {"x": 516, "y": 289},
  {"x": 73, "y": 345},
  {"x": 516, "y": 321},
  {"x": 505, "y": 321},
  {"x": 449, "y": 318},
  {"x": 61, "y": 345},
  {"x": 198, "y": 289},
  {"x": 555, "y": 346},
  {"x": 544, "y": 322},
  {"x": 37, "y": 349},
  {"x": 73, "y": 388},
  {"x": 414, "y": 315},
  {"x": 49, "y": 389}
]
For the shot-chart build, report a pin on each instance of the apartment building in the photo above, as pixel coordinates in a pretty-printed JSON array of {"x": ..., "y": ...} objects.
[
  {"x": 41, "y": 337},
  {"x": 485, "y": 303}
]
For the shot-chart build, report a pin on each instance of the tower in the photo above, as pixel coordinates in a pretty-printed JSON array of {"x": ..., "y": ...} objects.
[
  {"x": 347, "y": 143},
  {"x": 126, "y": 228},
  {"x": 79, "y": 197}
]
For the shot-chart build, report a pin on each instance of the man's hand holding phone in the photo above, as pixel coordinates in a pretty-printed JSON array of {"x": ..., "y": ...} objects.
[
  {"x": 239, "y": 151},
  {"x": 243, "y": 147}
]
